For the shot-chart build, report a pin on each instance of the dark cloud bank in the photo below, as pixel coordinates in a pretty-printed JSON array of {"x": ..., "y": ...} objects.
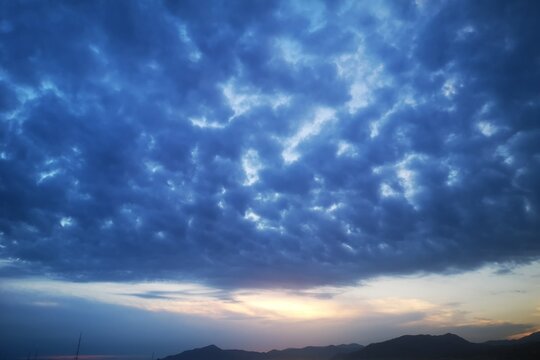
[{"x": 147, "y": 140}]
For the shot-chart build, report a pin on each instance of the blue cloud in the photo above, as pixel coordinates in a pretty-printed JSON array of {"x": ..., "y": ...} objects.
[{"x": 267, "y": 143}]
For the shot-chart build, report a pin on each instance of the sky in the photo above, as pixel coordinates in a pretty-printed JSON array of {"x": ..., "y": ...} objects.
[{"x": 266, "y": 174}]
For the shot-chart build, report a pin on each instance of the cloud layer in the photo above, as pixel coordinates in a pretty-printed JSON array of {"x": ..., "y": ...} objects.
[{"x": 262, "y": 144}]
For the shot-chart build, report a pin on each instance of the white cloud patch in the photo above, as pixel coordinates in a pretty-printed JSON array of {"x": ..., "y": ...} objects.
[
  {"x": 364, "y": 75},
  {"x": 374, "y": 128},
  {"x": 153, "y": 166},
  {"x": 452, "y": 85},
  {"x": 242, "y": 99},
  {"x": 66, "y": 221},
  {"x": 44, "y": 175},
  {"x": 251, "y": 216},
  {"x": 203, "y": 123},
  {"x": 311, "y": 128},
  {"x": 407, "y": 176},
  {"x": 194, "y": 53},
  {"x": 251, "y": 165},
  {"x": 453, "y": 176},
  {"x": 387, "y": 190},
  {"x": 291, "y": 52},
  {"x": 345, "y": 149},
  {"x": 486, "y": 128},
  {"x": 348, "y": 248}
]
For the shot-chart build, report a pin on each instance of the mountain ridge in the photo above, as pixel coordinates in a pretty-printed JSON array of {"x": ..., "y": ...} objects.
[
  {"x": 416, "y": 346},
  {"x": 447, "y": 346},
  {"x": 213, "y": 352},
  {"x": 533, "y": 337}
]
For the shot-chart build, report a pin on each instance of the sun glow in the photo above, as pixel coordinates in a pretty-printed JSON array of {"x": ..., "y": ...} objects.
[
  {"x": 435, "y": 300},
  {"x": 277, "y": 305}
]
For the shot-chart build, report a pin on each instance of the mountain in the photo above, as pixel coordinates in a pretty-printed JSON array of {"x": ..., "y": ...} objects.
[
  {"x": 417, "y": 347},
  {"x": 449, "y": 346},
  {"x": 213, "y": 352},
  {"x": 534, "y": 337},
  {"x": 531, "y": 338},
  {"x": 312, "y": 352},
  {"x": 425, "y": 347}
]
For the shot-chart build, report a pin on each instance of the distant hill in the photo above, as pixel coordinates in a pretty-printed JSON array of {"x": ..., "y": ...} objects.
[
  {"x": 417, "y": 347},
  {"x": 312, "y": 352},
  {"x": 213, "y": 352},
  {"x": 424, "y": 347},
  {"x": 449, "y": 346},
  {"x": 531, "y": 338},
  {"x": 534, "y": 337}
]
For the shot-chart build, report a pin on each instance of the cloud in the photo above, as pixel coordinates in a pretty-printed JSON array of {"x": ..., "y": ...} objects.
[{"x": 176, "y": 142}]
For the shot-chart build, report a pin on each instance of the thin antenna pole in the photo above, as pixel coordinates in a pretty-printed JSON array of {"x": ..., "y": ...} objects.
[{"x": 78, "y": 347}]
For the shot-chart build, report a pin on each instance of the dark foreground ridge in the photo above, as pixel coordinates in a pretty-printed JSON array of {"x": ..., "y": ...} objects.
[{"x": 425, "y": 347}]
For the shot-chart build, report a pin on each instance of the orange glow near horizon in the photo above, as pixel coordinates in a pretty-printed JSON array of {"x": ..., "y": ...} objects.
[{"x": 433, "y": 302}]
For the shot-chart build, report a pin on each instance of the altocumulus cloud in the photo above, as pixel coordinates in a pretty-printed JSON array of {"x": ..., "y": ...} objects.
[{"x": 267, "y": 143}]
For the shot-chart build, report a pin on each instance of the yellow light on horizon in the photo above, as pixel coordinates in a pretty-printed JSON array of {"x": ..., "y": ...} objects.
[{"x": 283, "y": 306}]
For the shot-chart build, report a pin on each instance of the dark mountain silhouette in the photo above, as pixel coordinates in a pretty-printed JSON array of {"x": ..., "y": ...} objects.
[
  {"x": 448, "y": 346},
  {"x": 417, "y": 347},
  {"x": 312, "y": 352},
  {"x": 534, "y": 337},
  {"x": 531, "y": 338},
  {"x": 425, "y": 347},
  {"x": 212, "y": 352}
]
